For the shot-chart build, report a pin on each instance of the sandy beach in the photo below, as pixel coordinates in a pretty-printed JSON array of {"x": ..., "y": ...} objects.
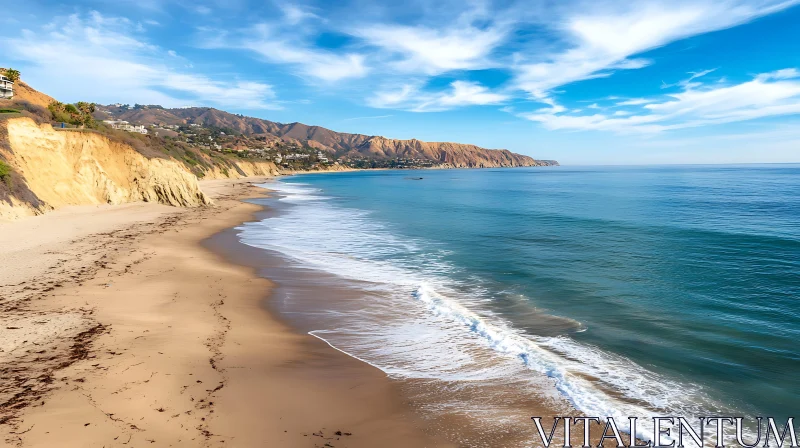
[{"x": 121, "y": 328}]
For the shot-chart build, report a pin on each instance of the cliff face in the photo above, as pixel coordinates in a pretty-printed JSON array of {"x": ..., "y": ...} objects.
[
  {"x": 243, "y": 168},
  {"x": 455, "y": 155},
  {"x": 75, "y": 168}
]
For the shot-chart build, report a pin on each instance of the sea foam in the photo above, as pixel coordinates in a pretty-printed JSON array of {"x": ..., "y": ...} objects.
[{"x": 421, "y": 323}]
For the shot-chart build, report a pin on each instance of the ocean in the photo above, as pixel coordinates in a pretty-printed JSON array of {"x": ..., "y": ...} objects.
[{"x": 616, "y": 291}]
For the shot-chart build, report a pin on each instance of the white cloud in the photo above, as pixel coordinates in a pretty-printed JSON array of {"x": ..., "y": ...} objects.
[
  {"x": 433, "y": 51},
  {"x": 461, "y": 93},
  {"x": 467, "y": 94},
  {"x": 292, "y": 45},
  {"x": 767, "y": 95},
  {"x": 279, "y": 44},
  {"x": 401, "y": 54},
  {"x": 764, "y": 96},
  {"x": 395, "y": 97},
  {"x": 313, "y": 63},
  {"x": 540, "y": 47},
  {"x": 634, "y": 102},
  {"x": 787, "y": 73},
  {"x": 598, "y": 42},
  {"x": 245, "y": 94},
  {"x": 295, "y": 15},
  {"x": 107, "y": 64},
  {"x": 556, "y": 108},
  {"x": 700, "y": 73},
  {"x": 687, "y": 83},
  {"x": 384, "y": 48}
]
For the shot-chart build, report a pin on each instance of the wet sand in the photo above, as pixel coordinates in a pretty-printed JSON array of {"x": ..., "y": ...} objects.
[
  {"x": 491, "y": 413},
  {"x": 119, "y": 328}
]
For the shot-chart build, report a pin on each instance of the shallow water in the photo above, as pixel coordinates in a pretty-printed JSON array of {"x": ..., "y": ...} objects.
[{"x": 633, "y": 291}]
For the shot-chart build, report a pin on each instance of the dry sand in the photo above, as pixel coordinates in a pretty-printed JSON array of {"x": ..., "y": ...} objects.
[{"x": 118, "y": 328}]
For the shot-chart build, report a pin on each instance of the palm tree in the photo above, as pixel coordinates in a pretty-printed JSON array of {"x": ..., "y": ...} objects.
[
  {"x": 12, "y": 75},
  {"x": 56, "y": 106},
  {"x": 57, "y": 110},
  {"x": 86, "y": 108},
  {"x": 85, "y": 111}
]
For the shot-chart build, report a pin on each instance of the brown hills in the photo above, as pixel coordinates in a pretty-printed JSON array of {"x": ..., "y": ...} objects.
[
  {"x": 341, "y": 144},
  {"x": 24, "y": 92}
]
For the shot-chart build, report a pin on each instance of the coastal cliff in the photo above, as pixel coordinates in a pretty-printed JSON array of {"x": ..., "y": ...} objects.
[
  {"x": 42, "y": 168},
  {"x": 53, "y": 168},
  {"x": 240, "y": 169}
]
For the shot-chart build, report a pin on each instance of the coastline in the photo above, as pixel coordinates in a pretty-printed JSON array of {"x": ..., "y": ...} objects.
[
  {"x": 120, "y": 328},
  {"x": 313, "y": 301}
]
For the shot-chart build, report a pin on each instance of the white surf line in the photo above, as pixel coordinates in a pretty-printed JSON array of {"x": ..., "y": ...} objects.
[{"x": 340, "y": 350}]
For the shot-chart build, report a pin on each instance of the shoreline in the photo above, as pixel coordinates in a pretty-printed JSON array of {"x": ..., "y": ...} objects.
[
  {"x": 316, "y": 302},
  {"x": 121, "y": 328},
  {"x": 380, "y": 409}
]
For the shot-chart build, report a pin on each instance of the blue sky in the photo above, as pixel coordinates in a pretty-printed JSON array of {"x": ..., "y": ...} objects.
[{"x": 583, "y": 82}]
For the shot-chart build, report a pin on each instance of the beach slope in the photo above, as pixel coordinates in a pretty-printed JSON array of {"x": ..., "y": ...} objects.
[{"x": 119, "y": 328}]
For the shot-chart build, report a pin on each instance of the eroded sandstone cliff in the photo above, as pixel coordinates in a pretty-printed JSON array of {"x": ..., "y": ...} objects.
[{"x": 80, "y": 167}]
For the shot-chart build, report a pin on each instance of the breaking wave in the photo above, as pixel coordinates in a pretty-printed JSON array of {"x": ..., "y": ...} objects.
[{"x": 427, "y": 319}]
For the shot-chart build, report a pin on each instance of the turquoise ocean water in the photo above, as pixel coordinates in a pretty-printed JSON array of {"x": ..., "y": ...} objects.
[{"x": 634, "y": 290}]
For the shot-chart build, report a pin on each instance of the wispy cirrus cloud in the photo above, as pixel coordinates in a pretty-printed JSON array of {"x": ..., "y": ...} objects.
[
  {"x": 308, "y": 62},
  {"x": 634, "y": 102},
  {"x": 404, "y": 56},
  {"x": 608, "y": 37},
  {"x": 289, "y": 41},
  {"x": 420, "y": 57},
  {"x": 433, "y": 51},
  {"x": 539, "y": 52},
  {"x": 295, "y": 15},
  {"x": 108, "y": 63},
  {"x": 413, "y": 98},
  {"x": 687, "y": 83},
  {"x": 766, "y": 95},
  {"x": 585, "y": 41}
]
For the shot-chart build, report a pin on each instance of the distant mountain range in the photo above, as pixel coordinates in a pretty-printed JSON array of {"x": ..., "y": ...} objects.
[{"x": 340, "y": 144}]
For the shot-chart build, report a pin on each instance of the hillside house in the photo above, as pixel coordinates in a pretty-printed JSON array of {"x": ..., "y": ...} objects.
[
  {"x": 6, "y": 88},
  {"x": 296, "y": 156},
  {"x": 125, "y": 126}
]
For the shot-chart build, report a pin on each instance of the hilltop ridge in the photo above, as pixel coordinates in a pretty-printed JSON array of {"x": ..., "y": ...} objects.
[{"x": 338, "y": 144}]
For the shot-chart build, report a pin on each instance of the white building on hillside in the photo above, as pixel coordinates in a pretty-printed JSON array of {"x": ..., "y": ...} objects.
[
  {"x": 125, "y": 126},
  {"x": 6, "y": 88}
]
